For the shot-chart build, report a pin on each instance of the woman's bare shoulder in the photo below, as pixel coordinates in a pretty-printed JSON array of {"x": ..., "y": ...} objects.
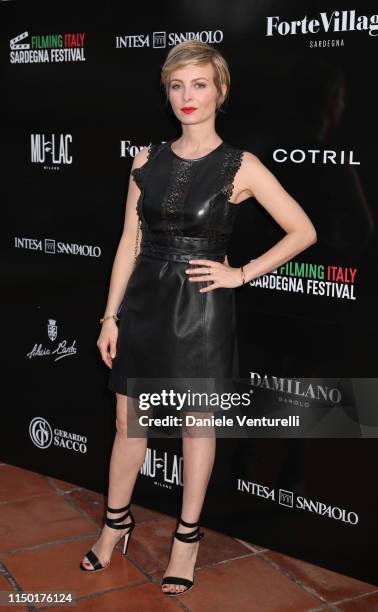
[
  {"x": 141, "y": 157},
  {"x": 250, "y": 159}
]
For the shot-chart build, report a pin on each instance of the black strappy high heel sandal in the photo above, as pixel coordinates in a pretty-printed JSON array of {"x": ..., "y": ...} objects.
[
  {"x": 191, "y": 536},
  {"x": 92, "y": 557}
]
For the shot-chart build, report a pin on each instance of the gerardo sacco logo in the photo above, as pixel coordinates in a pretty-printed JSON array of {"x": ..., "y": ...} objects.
[
  {"x": 40, "y": 432},
  {"x": 289, "y": 499},
  {"x": 51, "y": 150},
  {"x": 57, "y": 247},
  {"x": 165, "y": 468},
  {"x": 335, "y": 22},
  {"x": 47, "y": 48},
  {"x": 161, "y": 40},
  {"x": 43, "y": 436},
  {"x": 55, "y": 352}
]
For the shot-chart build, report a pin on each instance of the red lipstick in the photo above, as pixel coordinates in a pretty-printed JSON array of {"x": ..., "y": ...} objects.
[{"x": 188, "y": 109}]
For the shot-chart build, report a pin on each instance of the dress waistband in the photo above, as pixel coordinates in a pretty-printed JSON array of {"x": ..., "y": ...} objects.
[{"x": 183, "y": 248}]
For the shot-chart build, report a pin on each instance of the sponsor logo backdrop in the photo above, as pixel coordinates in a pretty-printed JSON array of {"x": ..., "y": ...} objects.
[{"x": 82, "y": 98}]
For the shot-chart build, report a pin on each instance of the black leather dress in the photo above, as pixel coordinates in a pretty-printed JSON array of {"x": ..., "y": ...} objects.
[{"x": 172, "y": 336}]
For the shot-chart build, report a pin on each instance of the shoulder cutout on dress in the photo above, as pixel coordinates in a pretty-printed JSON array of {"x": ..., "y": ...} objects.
[
  {"x": 232, "y": 162},
  {"x": 138, "y": 173}
]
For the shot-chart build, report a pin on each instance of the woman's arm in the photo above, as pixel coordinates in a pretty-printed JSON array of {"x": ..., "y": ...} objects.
[
  {"x": 259, "y": 182},
  {"x": 122, "y": 267},
  {"x": 124, "y": 258}
]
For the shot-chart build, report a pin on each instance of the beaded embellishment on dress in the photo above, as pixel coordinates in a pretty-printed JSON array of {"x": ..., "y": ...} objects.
[
  {"x": 172, "y": 207},
  {"x": 231, "y": 164},
  {"x": 225, "y": 162}
]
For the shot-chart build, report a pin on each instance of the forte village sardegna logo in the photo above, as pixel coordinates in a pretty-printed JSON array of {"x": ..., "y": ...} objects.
[{"x": 335, "y": 22}]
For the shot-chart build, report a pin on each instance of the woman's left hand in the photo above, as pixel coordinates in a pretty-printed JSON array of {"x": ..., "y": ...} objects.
[{"x": 222, "y": 274}]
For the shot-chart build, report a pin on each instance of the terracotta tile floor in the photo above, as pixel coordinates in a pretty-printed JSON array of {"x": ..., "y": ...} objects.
[{"x": 46, "y": 527}]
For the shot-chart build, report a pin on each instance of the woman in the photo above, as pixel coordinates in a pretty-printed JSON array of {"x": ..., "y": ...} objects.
[{"x": 178, "y": 319}]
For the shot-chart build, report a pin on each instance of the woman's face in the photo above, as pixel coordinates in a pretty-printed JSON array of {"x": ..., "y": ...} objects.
[{"x": 193, "y": 88}]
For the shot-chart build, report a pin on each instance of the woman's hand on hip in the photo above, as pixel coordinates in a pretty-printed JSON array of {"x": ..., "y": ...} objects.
[{"x": 222, "y": 274}]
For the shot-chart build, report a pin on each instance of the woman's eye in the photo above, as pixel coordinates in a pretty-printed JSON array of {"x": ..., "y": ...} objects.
[{"x": 176, "y": 85}]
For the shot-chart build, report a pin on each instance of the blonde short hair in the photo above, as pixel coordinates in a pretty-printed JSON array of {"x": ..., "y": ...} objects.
[{"x": 196, "y": 52}]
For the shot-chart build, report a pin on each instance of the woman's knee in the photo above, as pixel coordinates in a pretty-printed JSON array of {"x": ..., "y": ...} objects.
[
  {"x": 121, "y": 425},
  {"x": 121, "y": 414},
  {"x": 203, "y": 429},
  {"x": 126, "y": 424}
]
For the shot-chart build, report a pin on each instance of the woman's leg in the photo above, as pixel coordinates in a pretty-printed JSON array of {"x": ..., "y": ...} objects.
[
  {"x": 199, "y": 455},
  {"x": 127, "y": 457}
]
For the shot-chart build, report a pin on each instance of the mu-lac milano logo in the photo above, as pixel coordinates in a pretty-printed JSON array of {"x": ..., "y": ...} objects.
[
  {"x": 166, "y": 469},
  {"x": 51, "y": 150}
]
